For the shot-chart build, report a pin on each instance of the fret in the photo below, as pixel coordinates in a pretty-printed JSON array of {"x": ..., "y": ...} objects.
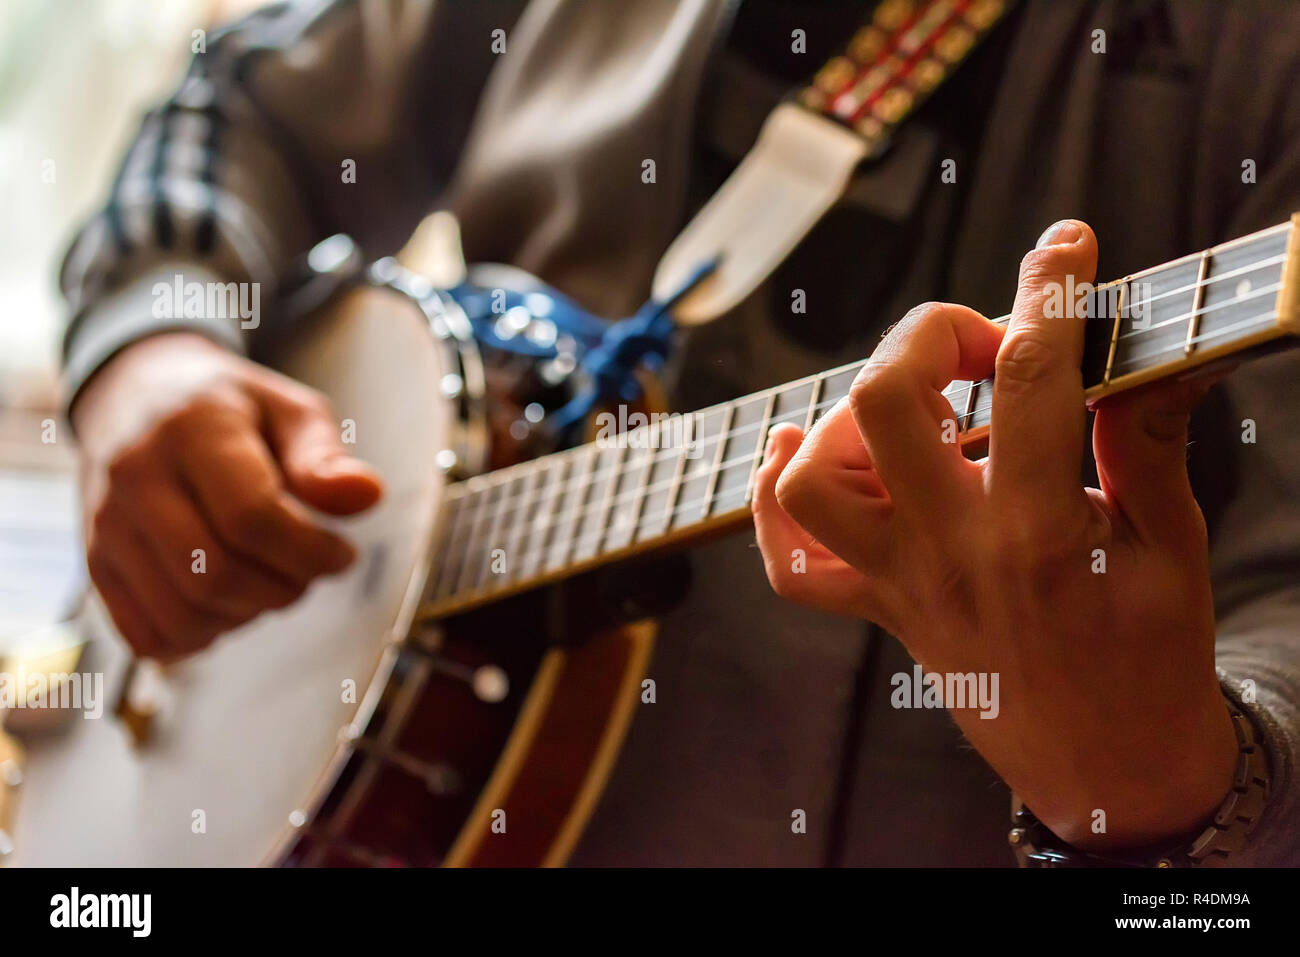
[
  {"x": 733, "y": 474},
  {"x": 765, "y": 426},
  {"x": 968, "y": 411},
  {"x": 1114, "y": 335},
  {"x": 508, "y": 505},
  {"x": 1241, "y": 287},
  {"x": 1198, "y": 300},
  {"x": 1235, "y": 297},
  {"x": 475, "y": 510},
  {"x": 959, "y": 393},
  {"x": 663, "y": 476},
  {"x": 1158, "y": 304},
  {"x": 1098, "y": 334},
  {"x": 1288, "y": 297},
  {"x": 1231, "y": 298},
  {"x": 690, "y": 447},
  {"x": 723, "y": 438},
  {"x": 835, "y": 385},
  {"x": 477, "y": 546},
  {"x": 460, "y": 502},
  {"x": 976, "y": 402},
  {"x": 792, "y": 402},
  {"x": 595, "y": 515},
  {"x": 983, "y": 415},
  {"x": 698, "y": 466},
  {"x": 643, "y": 486},
  {"x": 570, "y": 507},
  {"x": 813, "y": 395},
  {"x": 521, "y": 521},
  {"x": 632, "y": 488},
  {"x": 543, "y": 522},
  {"x": 952, "y": 397}
]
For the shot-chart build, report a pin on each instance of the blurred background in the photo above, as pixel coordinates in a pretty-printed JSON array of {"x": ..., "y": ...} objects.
[{"x": 75, "y": 78}]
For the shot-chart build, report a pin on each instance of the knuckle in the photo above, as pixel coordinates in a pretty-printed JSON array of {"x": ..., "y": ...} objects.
[
  {"x": 220, "y": 579},
  {"x": 927, "y": 313},
  {"x": 183, "y": 628},
  {"x": 263, "y": 592},
  {"x": 895, "y": 337},
  {"x": 876, "y": 388},
  {"x": 209, "y": 588},
  {"x": 181, "y": 420},
  {"x": 932, "y": 313},
  {"x": 191, "y": 591},
  {"x": 191, "y": 415},
  {"x": 282, "y": 596},
  {"x": 316, "y": 404},
  {"x": 141, "y": 644},
  {"x": 1024, "y": 360},
  {"x": 910, "y": 318},
  {"x": 97, "y": 567},
  {"x": 195, "y": 417},
  {"x": 1041, "y": 265},
  {"x": 186, "y": 625},
  {"x": 103, "y": 527},
  {"x": 302, "y": 398},
  {"x": 202, "y": 643},
  {"x": 128, "y": 468},
  {"x": 796, "y": 490},
  {"x": 1030, "y": 543},
  {"x": 250, "y": 524}
]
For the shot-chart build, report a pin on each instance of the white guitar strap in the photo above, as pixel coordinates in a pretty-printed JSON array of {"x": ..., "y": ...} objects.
[{"x": 810, "y": 145}]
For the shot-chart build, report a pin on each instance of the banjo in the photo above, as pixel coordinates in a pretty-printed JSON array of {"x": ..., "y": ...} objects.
[
  {"x": 493, "y": 672},
  {"x": 459, "y": 695}
]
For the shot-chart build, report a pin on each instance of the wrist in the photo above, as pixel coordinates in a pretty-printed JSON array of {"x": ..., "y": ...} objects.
[
  {"x": 1153, "y": 780},
  {"x": 1216, "y": 840},
  {"x": 1148, "y": 789},
  {"x": 117, "y": 368}
]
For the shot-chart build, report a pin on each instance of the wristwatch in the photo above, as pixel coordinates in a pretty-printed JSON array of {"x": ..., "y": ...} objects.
[{"x": 1036, "y": 846}]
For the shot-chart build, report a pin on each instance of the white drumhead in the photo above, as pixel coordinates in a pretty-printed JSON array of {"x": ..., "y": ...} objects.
[{"x": 250, "y": 726}]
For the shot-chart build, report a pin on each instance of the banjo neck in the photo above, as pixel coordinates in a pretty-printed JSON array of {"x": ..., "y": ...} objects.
[{"x": 676, "y": 479}]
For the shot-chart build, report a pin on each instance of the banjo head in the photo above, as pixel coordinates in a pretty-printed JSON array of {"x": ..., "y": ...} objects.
[{"x": 251, "y": 732}]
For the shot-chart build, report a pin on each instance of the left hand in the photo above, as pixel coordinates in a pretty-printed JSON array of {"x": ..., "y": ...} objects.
[{"x": 1109, "y": 699}]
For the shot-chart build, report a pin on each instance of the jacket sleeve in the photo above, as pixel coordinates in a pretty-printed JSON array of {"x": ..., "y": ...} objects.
[
  {"x": 1255, "y": 548},
  {"x": 301, "y": 120}
]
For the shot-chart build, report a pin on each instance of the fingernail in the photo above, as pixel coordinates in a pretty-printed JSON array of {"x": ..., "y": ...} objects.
[
  {"x": 334, "y": 467},
  {"x": 1060, "y": 234}
]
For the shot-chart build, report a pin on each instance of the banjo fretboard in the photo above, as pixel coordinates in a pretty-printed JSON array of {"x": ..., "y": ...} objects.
[{"x": 678, "y": 477}]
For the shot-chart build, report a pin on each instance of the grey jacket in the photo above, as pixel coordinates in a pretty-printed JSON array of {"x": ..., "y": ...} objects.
[{"x": 539, "y": 152}]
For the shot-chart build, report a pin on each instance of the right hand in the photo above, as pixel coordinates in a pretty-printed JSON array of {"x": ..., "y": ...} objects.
[{"x": 187, "y": 446}]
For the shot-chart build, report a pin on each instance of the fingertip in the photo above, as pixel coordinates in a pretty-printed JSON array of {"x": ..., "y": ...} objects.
[
  {"x": 1064, "y": 232},
  {"x": 1067, "y": 247},
  {"x": 344, "y": 554},
  {"x": 782, "y": 442},
  {"x": 342, "y": 486}
]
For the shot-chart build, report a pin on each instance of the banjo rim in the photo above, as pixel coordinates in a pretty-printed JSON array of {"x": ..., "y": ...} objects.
[{"x": 453, "y": 336}]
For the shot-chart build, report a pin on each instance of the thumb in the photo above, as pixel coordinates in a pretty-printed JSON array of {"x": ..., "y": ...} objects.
[
  {"x": 304, "y": 437},
  {"x": 1038, "y": 432},
  {"x": 1140, "y": 442}
]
